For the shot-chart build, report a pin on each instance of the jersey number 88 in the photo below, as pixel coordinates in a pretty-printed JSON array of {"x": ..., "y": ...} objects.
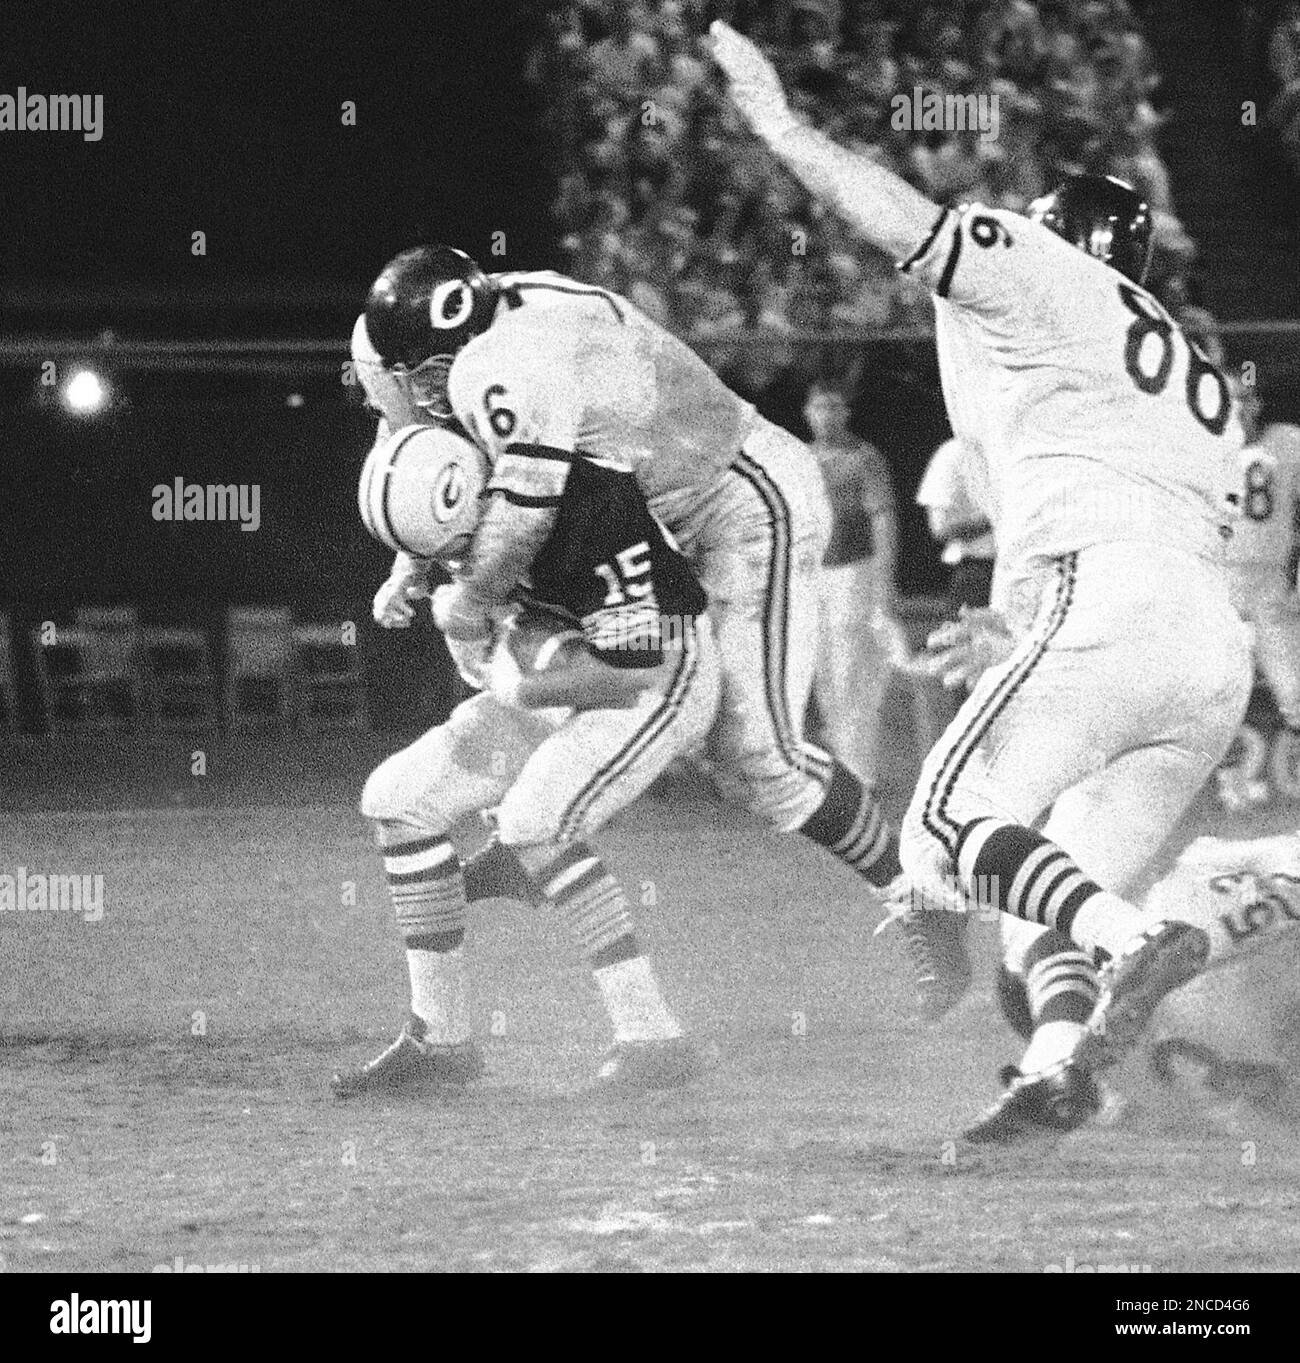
[{"x": 1150, "y": 319}]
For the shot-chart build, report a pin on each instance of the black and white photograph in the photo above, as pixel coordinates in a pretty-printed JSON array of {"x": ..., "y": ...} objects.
[{"x": 650, "y": 636}]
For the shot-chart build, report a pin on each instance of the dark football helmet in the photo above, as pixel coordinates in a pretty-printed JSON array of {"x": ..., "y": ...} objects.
[
  {"x": 1102, "y": 216},
  {"x": 425, "y": 306}
]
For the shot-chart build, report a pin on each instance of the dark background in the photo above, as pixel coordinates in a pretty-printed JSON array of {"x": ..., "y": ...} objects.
[{"x": 226, "y": 118}]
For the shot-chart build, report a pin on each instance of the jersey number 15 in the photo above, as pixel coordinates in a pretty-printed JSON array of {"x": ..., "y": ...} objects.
[{"x": 628, "y": 577}]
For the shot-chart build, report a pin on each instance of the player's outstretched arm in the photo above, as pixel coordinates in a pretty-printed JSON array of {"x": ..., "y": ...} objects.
[{"x": 883, "y": 207}]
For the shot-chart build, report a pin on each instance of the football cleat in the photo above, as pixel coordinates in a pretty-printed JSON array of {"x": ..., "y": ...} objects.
[
  {"x": 936, "y": 943},
  {"x": 1157, "y": 961},
  {"x": 411, "y": 1065},
  {"x": 1054, "y": 1102},
  {"x": 640, "y": 1066}
]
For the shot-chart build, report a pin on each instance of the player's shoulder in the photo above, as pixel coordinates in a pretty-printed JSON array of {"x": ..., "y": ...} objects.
[
  {"x": 996, "y": 260},
  {"x": 516, "y": 351},
  {"x": 550, "y": 291}
]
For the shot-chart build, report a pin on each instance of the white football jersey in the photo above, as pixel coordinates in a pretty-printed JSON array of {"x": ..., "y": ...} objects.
[
  {"x": 1261, "y": 553},
  {"x": 568, "y": 367},
  {"x": 1099, "y": 421}
]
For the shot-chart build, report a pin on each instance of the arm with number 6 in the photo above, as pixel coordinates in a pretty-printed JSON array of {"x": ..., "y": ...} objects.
[{"x": 523, "y": 411}]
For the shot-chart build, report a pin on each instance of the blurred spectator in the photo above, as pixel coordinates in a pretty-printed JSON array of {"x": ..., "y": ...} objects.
[
  {"x": 1282, "y": 59},
  {"x": 663, "y": 194},
  {"x": 856, "y": 638}
]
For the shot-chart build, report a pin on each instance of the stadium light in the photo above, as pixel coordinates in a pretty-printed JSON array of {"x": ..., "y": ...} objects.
[{"x": 85, "y": 392}]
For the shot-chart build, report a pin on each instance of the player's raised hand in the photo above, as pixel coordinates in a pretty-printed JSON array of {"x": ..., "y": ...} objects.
[{"x": 753, "y": 83}]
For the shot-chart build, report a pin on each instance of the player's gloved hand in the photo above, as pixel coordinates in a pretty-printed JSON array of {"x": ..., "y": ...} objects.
[
  {"x": 754, "y": 85},
  {"x": 394, "y": 606},
  {"x": 468, "y": 631},
  {"x": 961, "y": 651}
]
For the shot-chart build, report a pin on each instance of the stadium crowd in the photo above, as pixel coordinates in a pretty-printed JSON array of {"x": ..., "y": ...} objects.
[
  {"x": 664, "y": 197},
  {"x": 1276, "y": 31}
]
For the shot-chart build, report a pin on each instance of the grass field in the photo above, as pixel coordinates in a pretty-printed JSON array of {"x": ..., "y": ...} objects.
[{"x": 163, "y": 1071}]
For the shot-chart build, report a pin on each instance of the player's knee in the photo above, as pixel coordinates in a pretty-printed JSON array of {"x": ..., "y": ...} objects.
[
  {"x": 394, "y": 793},
  {"x": 381, "y": 797}
]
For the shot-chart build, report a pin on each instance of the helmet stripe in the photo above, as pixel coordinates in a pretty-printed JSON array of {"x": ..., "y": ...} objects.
[{"x": 386, "y": 515}]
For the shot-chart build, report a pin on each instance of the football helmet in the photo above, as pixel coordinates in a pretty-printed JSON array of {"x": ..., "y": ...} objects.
[
  {"x": 1104, "y": 217},
  {"x": 427, "y": 303},
  {"x": 420, "y": 491}
]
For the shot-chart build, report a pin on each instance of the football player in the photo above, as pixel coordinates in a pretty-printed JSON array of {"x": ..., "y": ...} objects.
[
  {"x": 1235, "y": 1030},
  {"x": 1108, "y": 437},
  {"x": 598, "y": 672},
  {"x": 542, "y": 372},
  {"x": 1262, "y": 554},
  {"x": 858, "y": 636}
]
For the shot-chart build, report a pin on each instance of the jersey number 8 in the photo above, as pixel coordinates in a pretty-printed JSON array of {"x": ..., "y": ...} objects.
[
  {"x": 1150, "y": 319},
  {"x": 1259, "y": 491}
]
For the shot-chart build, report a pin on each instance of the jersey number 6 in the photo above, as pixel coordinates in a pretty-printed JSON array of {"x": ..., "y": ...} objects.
[{"x": 502, "y": 420}]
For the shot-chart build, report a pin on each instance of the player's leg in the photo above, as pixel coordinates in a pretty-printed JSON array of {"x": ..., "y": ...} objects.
[
  {"x": 1087, "y": 684},
  {"x": 1114, "y": 823},
  {"x": 761, "y": 573},
  {"x": 597, "y": 763},
  {"x": 1230, "y": 1040},
  {"x": 413, "y": 800},
  {"x": 1277, "y": 646}
]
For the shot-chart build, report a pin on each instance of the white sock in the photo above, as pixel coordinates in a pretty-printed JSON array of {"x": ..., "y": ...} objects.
[
  {"x": 1051, "y": 1043},
  {"x": 1106, "y": 921},
  {"x": 438, "y": 994},
  {"x": 634, "y": 1003}
]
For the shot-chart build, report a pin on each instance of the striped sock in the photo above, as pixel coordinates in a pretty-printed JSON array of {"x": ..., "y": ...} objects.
[
  {"x": 428, "y": 894},
  {"x": 594, "y": 905},
  {"x": 1062, "y": 987},
  {"x": 1061, "y": 981},
  {"x": 596, "y": 909},
  {"x": 1029, "y": 876},
  {"x": 850, "y": 824}
]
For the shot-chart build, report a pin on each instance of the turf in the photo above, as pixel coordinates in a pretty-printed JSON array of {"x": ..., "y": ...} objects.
[{"x": 163, "y": 1072}]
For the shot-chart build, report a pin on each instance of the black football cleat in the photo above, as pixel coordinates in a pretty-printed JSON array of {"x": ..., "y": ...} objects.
[
  {"x": 1157, "y": 961},
  {"x": 411, "y": 1066},
  {"x": 642, "y": 1066},
  {"x": 1055, "y": 1102}
]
